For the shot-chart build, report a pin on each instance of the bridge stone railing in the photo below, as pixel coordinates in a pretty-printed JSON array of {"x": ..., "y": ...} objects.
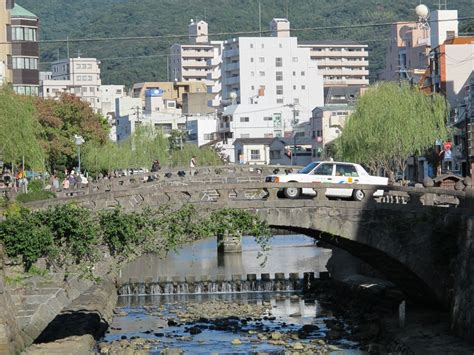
[
  {"x": 261, "y": 195},
  {"x": 171, "y": 177}
]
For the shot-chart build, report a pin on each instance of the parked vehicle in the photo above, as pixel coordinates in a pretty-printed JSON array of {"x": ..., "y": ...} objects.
[{"x": 329, "y": 172}]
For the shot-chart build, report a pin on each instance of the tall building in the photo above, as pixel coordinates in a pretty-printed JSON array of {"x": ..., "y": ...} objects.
[
  {"x": 78, "y": 76},
  {"x": 197, "y": 61},
  {"x": 408, "y": 52},
  {"x": 271, "y": 71},
  {"x": 25, "y": 51},
  {"x": 341, "y": 63},
  {"x": 451, "y": 74},
  {"x": 5, "y": 45}
]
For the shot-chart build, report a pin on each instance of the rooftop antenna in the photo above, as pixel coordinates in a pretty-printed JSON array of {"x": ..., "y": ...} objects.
[{"x": 423, "y": 14}]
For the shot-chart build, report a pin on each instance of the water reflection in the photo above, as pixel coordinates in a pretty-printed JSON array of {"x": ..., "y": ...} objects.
[{"x": 291, "y": 253}]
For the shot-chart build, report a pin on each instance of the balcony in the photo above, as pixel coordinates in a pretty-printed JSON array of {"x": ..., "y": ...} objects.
[
  {"x": 197, "y": 54},
  {"x": 214, "y": 75},
  {"x": 217, "y": 88},
  {"x": 232, "y": 80},
  {"x": 231, "y": 53},
  {"x": 232, "y": 67},
  {"x": 344, "y": 72},
  {"x": 194, "y": 64},
  {"x": 338, "y": 54},
  {"x": 195, "y": 73},
  {"x": 215, "y": 61}
]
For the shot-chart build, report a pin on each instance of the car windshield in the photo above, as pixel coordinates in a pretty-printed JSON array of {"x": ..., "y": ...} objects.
[{"x": 308, "y": 168}]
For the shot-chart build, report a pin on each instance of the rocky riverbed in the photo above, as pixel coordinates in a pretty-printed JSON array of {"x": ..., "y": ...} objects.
[{"x": 229, "y": 326}]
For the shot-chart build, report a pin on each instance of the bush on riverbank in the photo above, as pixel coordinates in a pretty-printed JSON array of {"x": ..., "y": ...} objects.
[{"x": 69, "y": 235}]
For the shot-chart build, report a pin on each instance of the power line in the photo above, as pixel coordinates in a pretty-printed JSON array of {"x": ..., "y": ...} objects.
[{"x": 238, "y": 33}]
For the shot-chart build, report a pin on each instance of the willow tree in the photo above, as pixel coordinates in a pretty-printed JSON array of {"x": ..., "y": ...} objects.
[
  {"x": 19, "y": 130},
  {"x": 390, "y": 123}
]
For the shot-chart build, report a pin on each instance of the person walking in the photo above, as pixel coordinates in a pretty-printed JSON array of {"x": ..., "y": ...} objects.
[{"x": 192, "y": 165}]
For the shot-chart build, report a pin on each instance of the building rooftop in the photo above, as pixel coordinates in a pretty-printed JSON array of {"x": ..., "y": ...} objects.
[
  {"x": 21, "y": 12},
  {"x": 333, "y": 43},
  {"x": 460, "y": 40}
]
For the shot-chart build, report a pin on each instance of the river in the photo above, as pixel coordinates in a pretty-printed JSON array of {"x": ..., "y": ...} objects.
[{"x": 230, "y": 322}]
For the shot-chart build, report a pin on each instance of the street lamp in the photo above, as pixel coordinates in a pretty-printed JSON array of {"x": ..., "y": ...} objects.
[{"x": 78, "y": 140}]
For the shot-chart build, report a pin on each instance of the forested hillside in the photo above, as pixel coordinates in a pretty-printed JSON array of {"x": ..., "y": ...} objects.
[{"x": 129, "y": 61}]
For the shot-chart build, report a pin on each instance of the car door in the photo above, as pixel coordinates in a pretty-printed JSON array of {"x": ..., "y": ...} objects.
[{"x": 343, "y": 174}]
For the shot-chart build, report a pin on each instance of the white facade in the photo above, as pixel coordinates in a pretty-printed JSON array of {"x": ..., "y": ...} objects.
[
  {"x": 199, "y": 60},
  {"x": 271, "y": 71},
  {"x": 341, "y": 63},
  {"x": 160, "y": 114},
  {"x": 201, "y": 130},
  {"x": 444, "y": 25},
  {"x": 79, "y": 76}
]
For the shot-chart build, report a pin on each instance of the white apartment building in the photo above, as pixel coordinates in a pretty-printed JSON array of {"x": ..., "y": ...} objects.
[
  {"x": 340, "y": 63},
  {"x": 159, "y": 113},
  {"x": 273, "y": 72},
  {"x": 108, "y": 96},
  {"x": 199, "y": 60},
  {"x": 201, "y": 130},
  {"x": 79, "y": 76}
]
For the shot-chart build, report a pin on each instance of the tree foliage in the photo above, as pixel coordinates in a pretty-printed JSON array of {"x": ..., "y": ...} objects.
[
  {"x": 138, "y": 151},
  {"x": 69, "y": 235},
  {"x": 391, "y": 123},
  {"x": 61, "y": 120},
  {"x": 127, "y": 62},
  {"x": 18, "y": 130}
]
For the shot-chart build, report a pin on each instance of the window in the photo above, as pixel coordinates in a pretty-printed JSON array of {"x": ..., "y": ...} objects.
[
  {"x": 346, "y": 170},
  {"x": 252, "y": 73},
  {"x": 324, "y": 169},
  {"x": 303, "y": 87},
  {"x": 279, "y": 101},
  {"x": 84, "y": 66},
  {"x": 268, "y": 118},
  {"x": 245, "y": 135},
  {"x": 296, "y": 101},
  {"x": 280, "y": 45},
  {"x": 279, "y": 76},
  {"x": 254, "y": 154},
  {"x": 294, "y": 73},
  {"x": 251, "y": 60},
  {"x": 294, "y": 87},
  {"x": 303, "y": 73},
  {"x": 261, "y": 59},
  {"x": 244, "y": 119},
  {"x": 279, "y": 90},
  {"x": 24, "y": 63},
  {"x": 89, "y": 78},
  {"x": 89, "y": 66},
  {"x": 251, "y": 45},
  {"x": 295, "y": 59},
  {"x": 261, "y": 73},
  {"x": 24, "y": 34},
  {"x": 252, "y": 88},
  {"x": 262, "y": 45},
  {"x": 278, "y": 62},
  {"x": 79, "y": 78},
  {"x": 275, "y": 154}
]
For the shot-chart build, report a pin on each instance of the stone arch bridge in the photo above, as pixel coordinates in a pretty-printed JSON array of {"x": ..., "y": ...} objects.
[{"x": 421, "y": 238}]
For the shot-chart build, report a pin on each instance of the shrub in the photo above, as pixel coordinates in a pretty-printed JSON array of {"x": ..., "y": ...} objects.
[
  {"x": 35, "y": 196},
  {"x": 35, "y": 185},
  {"x": 120, "y": 231},
  {"x": 75, "y": 233},
  {"x": 24, "y": 235}
]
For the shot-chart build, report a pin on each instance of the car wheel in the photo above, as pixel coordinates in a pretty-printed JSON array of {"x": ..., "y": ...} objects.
[
  {"x": 292, "y": 192},
  {"x": 358, "y": 195}
]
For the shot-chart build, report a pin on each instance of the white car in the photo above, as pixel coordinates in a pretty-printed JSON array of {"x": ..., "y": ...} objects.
[{"x": 330, "y": 172}]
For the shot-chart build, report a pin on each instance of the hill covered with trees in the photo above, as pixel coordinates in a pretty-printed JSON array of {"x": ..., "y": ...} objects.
[{"x": 129, "y": 61}]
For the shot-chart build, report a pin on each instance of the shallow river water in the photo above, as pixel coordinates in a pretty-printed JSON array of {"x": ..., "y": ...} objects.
[{"x": 243, "y": 322}]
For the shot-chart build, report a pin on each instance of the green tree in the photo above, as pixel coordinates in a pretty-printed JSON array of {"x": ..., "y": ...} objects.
[
  {"x": 19, "y": 129},
  {"x": 61, "y": 120},
  {"x": 391, "y": 123}
]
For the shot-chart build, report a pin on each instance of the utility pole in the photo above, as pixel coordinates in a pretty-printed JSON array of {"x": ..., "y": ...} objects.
[{"x": 293, "y": 124}]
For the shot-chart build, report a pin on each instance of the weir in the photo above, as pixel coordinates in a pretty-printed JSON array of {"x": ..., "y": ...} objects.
[{"x": 220, "y": 284}]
